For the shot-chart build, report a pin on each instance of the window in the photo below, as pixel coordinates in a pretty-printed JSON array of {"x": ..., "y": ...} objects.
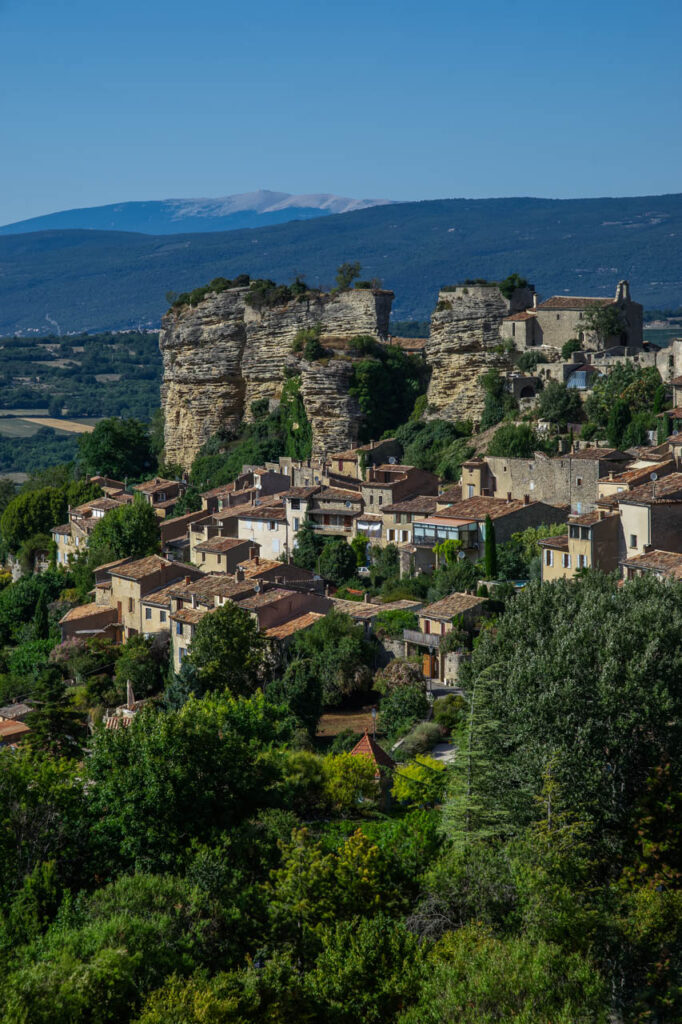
[
  {"x": 295, "y": 503},
  {"x": 566, "y": 561},
  {"x": 381, "y": 499},
  {"x": 391, "y": 534},
  {"x": 218, "y": 557},
  {"x": 203, "y": 556},
  {"x": 584, "y": 533},
  {"x": 549, "y": 557},
  {"x": 633, "y": 540},
  {"x": 296, "y": 522},
  {"x": 558, "y": 316},
  {"x": 405, "y": 536},
  {"x": 181, "y": 653},
  {"x": 582, "y": 561},
  {"x": 578, "y": 481},
  {"x": 513, "y": 330},
  {"x": 131, "y": 605},
  {"x": 162, "y": 616},
  {"x": 427, "y": 626},
  {"x": 470, "y": 490},
  {"x": 272, "y": 525},
  {"x": 147, "y": 613},
  {"x": 178, "y": 629}
]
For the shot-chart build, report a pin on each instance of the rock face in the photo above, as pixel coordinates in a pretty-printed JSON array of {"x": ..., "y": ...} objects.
[
  {"x": 465, "y": 332},
  {"x": 222, "y": 355}
]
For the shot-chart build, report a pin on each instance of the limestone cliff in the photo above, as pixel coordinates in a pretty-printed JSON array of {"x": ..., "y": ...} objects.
[
  {"x": 221, "y": 355},
  {"x": 464, "y": 343}
]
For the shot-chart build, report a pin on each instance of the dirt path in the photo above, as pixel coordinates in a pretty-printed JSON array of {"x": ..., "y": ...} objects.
[{"x": 69, "y": 425}]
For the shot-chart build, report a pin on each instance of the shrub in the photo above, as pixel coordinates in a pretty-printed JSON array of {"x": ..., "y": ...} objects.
[
  {"x": 397, "y": 673},
  {"x": 569, "y": 347},
  {"x": 401, "y": 709},
  {"x": 393, "y": 623},
  {"x": 420, "y": 740},
  {"x": 450, "y": 711}
]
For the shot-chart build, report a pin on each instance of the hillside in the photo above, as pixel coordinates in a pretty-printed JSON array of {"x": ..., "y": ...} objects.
[
  {"x": 87, "y": 280},
  {"x": 170, "y": 216}
]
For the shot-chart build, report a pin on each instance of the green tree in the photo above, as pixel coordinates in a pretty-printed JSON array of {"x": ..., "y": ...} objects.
[
  {"x": 228, "y": 651},
  {"x": 490, "y": 559},
  {"x": 142, "y": 662},
  {"x": 346, "y": 274},
  {"x": 118, "y": 448},
  {"x": 400, "y": 709},
  {"x": 37, "y": 510},
  {"x": 558, "y": 404},
  {"x": 385, "y": 564},
  {"x": 308, "y": 546},
  {"x": 55, "y": 726},
  {"x": 664, "y": 428},
  {"x": 338, "y": 561},
  {"x": 514, "y": 442},
  {"x": 145, "y": 815},
  {"x": 569, "y": 347},
  {"x": 348, "y": 781},
  {"x": 359, "y": 546},
  {"x": 369, "y": 970},
  {"x": 41, "y": 626},
  {"x": 301, "y": 896},
  {"x": 498, "y": 400},
  {"x": 337, "y": 653},
  {"x": 300, "y": 690},
  {"x": 604, "y": 322},
  {"x": 127, "y": 531},
  {"x": 619, "y": 419},
  {"x": 420, "y": 782}
]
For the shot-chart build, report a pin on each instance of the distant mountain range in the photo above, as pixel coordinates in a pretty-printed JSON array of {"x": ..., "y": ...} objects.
[
  {"x": 173, "y": 216},
  {"x": 96, "y": 280}
]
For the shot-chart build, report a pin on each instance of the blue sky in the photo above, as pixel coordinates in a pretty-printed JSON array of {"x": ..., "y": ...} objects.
[{"x": 406, "y": 100}]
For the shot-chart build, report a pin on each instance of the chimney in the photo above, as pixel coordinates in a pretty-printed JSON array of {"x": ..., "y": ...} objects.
[
  {"x": 239, "y": 574},
  {"x": 526, "y": 499},
  {"x": 365, "y": 598},
  {"x": 623, "y": 291},
  {"x": 253, "y": 551},
  {"x": 602, "y": 514},
  {"x": 256, "y": 559},
  {"x": 535, "y": 300},
  {"x": 188, "y": 580},
  {"x": 648, "y": 548},
  {"x": 194, "y": 600},
  {"x": 508, "y": 495}
]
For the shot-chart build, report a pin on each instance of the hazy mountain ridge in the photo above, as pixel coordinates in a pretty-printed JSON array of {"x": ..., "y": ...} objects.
[
  {"x": 90, "y": 280},
  {"x": 171, "y": 216}
]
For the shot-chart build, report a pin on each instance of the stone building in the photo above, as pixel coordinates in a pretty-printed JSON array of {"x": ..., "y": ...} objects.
[{"x": 561, "y": 318}]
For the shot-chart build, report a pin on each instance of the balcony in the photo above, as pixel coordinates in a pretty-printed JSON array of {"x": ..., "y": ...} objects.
[{"x": 415, "y": 636}]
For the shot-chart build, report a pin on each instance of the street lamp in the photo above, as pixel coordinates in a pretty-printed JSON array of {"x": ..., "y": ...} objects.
[{"x": 374, "y": 722}]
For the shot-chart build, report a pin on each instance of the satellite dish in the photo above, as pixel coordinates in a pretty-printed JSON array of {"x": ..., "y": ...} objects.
[
  {"x": 392, "y": 460},
  {"x": 348, "y": 504},
  {"x": 461, "y": 555},
  {"x": 654, "y": 477},
  {"x": 675, "y": 433}
]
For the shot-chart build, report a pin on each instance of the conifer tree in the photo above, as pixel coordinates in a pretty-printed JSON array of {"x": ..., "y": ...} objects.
[
  {"x": 54, "y": 726},
  {"x": 490, "y": 550},
  {"x": 41, "y": 625}
]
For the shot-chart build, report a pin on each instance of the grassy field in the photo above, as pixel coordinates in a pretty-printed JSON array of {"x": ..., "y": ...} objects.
[{"x": 27, "y": 426}]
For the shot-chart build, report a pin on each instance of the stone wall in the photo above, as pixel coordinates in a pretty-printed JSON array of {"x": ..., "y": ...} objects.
[
  {"x": 465, "y": 333},
  {"x": 222, "y": 355}
]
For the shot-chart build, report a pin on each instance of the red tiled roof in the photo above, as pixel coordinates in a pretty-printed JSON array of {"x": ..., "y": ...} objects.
[
  {"x": 293, "y": 626},
  {"x": 573, "y": 302},
  {"x": 527, "y": 315},
  {"x": 142, "y": 567},
  {"x": 368, "y": 747}
]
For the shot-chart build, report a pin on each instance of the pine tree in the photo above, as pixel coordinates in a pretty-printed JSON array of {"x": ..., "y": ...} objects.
[
  {"x": 54, "y": 726},
  {"x": 41, "y": 625},
  {"x": 490, "y": 550},
  {"x": 308, "y": 546}
]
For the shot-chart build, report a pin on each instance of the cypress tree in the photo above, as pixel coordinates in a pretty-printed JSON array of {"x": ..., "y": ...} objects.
[
  {"x": 490, "y": 550},
  {"x": 41, "y": 625}
]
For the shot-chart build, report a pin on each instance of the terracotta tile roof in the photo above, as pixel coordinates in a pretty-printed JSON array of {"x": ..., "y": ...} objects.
[
  {"x": 369, "y": 517},
  {"x": 676, "y": 382},
  {"x": 189, "y": 615},
  {"x": 609, "y": 454},
  {"x": 160, "y": 598},
  {"x": 142, "y": 567},
  {"x": 64, "y": 529},
  {"x": 559, "y": 543},
  {"x": 99, "y": 504},
  {"x": 478, "y": 508},
  {"x": 676, "y": 413},
  {"x": 337, "y": 494},
  {"x": 667, "y": 562},
  {"x": 527, "y": 315},
  {"x": 118, "y": 721},
  {"x": 293, "y": 626},
  {"x": 450, "y": 495},
  {"x": 217, "y": 491},
  {"x": 110, "y": 565},
  {"x": 453, "y": 604},
  {"x": 573, "y": 302},
  {"x": 11, "y": 730},
  {"x": 368, "y": 610},
  {"x": 87, "y": 611},
  {"x": 253, "y": 567},
  {"x": 106, "y": 481},
  {"x": 265, "y": 598},
  {"x": 635, "y": 476},
  {"x": 368, "y": 747},
  {"x": 422, "y": 503},
  {"x": 668, "y": 490},
  {"x": 220, "y": 544},
  {"x": 301, "y": 492},
  {"x": 269, "y": 513},
  {"x": 207, "y": 587},
  {"x": 586, "y": 519},
  {"x": 157, "y": 484}
]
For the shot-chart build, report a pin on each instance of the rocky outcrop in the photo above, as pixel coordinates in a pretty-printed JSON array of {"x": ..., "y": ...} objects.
[
  {"x": 222, "y": 355},
  {"x": 334, "y": 415},
  {"x": 464, "y": 342}
]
